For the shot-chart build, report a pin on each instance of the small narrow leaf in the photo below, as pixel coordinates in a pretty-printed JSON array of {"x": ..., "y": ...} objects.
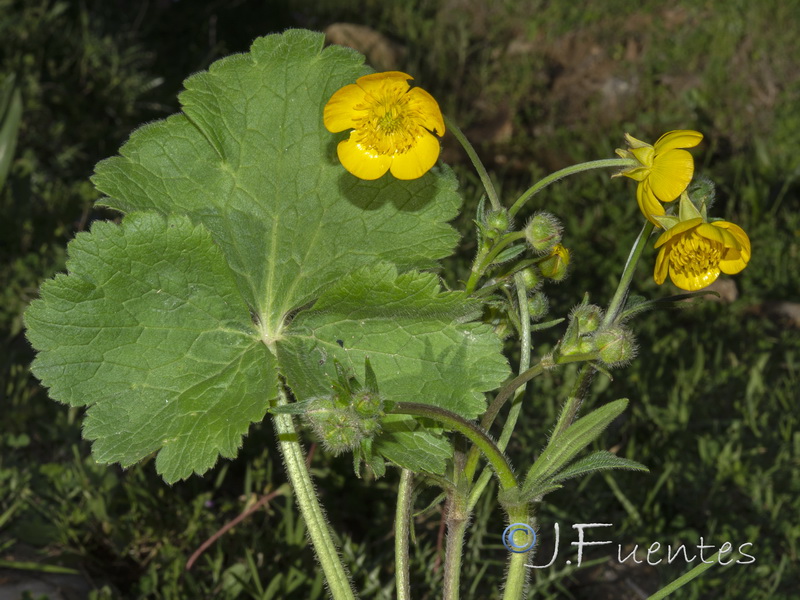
[
  {"x": 509, "y": 254},
  {"x": 599, "y": 461},
  {"x": 565, "y": 447}
]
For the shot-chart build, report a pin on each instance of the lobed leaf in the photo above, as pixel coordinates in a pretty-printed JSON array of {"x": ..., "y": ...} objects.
[
  {"x": 251, "y": 159},
  {"x": 150, "y": 332}
]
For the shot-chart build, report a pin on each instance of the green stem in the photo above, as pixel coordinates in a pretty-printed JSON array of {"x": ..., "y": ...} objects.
[
  {"x": 579, "y": 390},
  {"x": 402, "y": 530},
  {"x": 457, "y": 520},
  {"x": 484, "y": 262},
  {"x": 318, "y": 530},
  {"x": 517, "y": 572},
  {"x": 618, "y": 301},
  {"x": 473, "y": 156},
  {"x": 513, "y": 414},
  {"x": 581, "y": 386},
  {"x": 472, "y": 432},
  {"x": 574, "y": 169}
]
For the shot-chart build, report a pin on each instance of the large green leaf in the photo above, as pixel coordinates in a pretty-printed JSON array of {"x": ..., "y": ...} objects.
[
  {"x": 173, "y": 326},
  {"x": 150, "y": 331},
  {"x": 415, "y": 336},
  {"x": 251, "y": 159}
]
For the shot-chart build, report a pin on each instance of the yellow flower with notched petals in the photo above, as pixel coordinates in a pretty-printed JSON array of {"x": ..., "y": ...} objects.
[
  {"x": 694, "y": 253},
  {"x": 393, "y": 126},
  {"x": 664, "y": 170}
]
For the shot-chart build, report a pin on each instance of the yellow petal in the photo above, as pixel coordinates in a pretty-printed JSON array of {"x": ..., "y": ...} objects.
[
  {"x": 340, "y": 112},
  {"x": 418, "y": 160},
  {"x": 648, "y": 203},
  {"x": 691, "y": 282},
  {"x": 362, "y": 162},
  {"x": 430, "y": 115},
  {"x": 680, "y": 138},
  {"x": 671, "y": 174},
  {"x": 739, "y": 234},
  {"x": 662, "y": 266},
  {"x": 377, "y": 82},
  {"x": 734, "y": 259},
  {"x": 732, "y": 263},
  {"x": 717, "y": 234},
  {"x": 680, "y": 228}
]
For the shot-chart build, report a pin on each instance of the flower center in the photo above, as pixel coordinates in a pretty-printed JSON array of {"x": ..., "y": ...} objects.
[
  {"x": 693, "y": 255},
  {"x": 390, "y": 124}
]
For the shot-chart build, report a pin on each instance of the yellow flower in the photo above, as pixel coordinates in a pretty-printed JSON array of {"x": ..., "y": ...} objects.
[
  {"x": 555, "y": 265},
  {"x": 694, "y": 253},
  {"x": 392, "y": 126},
  {"x": 664, "y": 170}
]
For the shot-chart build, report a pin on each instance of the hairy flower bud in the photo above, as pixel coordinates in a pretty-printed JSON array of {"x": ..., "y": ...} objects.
[
  {"x": 498, "y": 220},
  {"x": 555, "y": 266},
  {"x": 538, "y": 306},
  {"x": 543, "y": 232},
  {"x": 530, "y": 278},
  {"x": 341, "y": 423},
  {"x": 588, "y": 317},
  {"x": 616, "y": 346}
]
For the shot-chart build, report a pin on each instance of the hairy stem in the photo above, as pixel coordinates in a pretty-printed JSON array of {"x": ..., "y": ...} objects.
[
  {"x": 574, "y": 169},
  {"x": 476, "y": 161},
  {"x": 497, "y": 460},
  {"x": 402, "y": 532},
  {"x": 338, "y": 581}
]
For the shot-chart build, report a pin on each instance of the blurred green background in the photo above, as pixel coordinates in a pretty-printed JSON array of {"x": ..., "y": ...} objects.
[{"x": 537, "y": 86}]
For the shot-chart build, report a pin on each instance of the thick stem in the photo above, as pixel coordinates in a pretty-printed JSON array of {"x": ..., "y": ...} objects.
[
  {"x": 476, "y": 161},
  {"x": 402, "y": 531},
  {"x": 457, "y": 519},
  {"x": 338, "y": 582},
  {"x": 517, "y": 573},
  {"x": 553, "y": 177}
]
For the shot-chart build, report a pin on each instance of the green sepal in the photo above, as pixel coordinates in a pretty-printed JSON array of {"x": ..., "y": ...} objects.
[
  {"x": 667, "y": 221},
  {"x": 687, "y": 210}
]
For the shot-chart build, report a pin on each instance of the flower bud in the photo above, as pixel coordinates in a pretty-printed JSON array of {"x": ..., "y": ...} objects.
[
  {"x": 538, "y": 306},
  {"x": 343, "y": 419},
  {"x": 530, "y": 278},
  {"x": 616, "y": 346},
  {"x": 543, "y": 232},
  {"x": 702, "y": 193},
  {"x": 555, "y": 266},
  {"x": 498, "y": 220},
  {"x": 588, "y": 317}
]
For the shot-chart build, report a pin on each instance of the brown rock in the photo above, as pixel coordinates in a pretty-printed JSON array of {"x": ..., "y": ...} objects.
[{"x": 382, "y": 53}]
